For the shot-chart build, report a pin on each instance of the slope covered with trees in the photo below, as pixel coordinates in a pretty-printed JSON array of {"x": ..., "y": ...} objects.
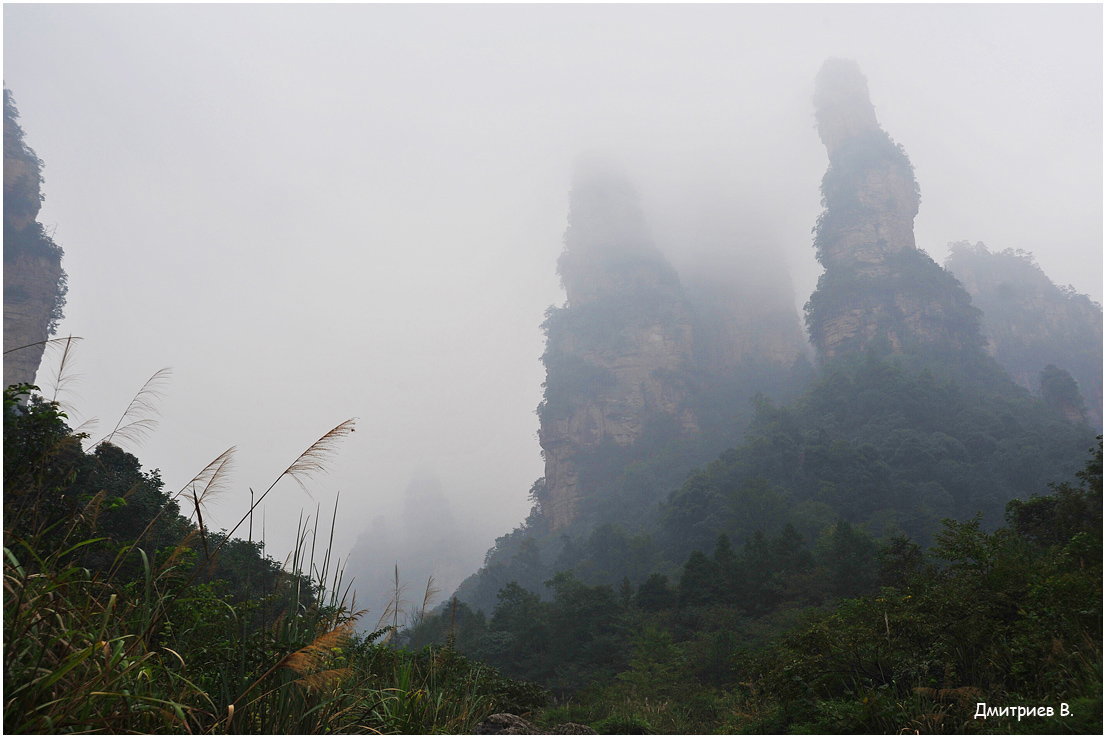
[
  {"x": 838, "y": 632},
  {"x": 1032, "y": 324},
  {"x": 873, "y": 552}
]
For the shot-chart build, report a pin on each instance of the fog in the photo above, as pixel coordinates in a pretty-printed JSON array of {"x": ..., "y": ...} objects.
[{"x": 313, "y": 213}]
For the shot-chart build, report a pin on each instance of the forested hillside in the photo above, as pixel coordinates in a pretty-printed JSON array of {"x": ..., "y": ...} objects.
[
  {"x": 1034, "y": 328},
  {"x": 814, "y": 625},
  {"x": 901, "y": 532}
]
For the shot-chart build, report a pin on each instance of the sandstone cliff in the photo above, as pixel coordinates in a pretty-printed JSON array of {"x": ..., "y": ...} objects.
[
  {"x": 624, "y": 328},
  {"x": 877, "y": 284},
  {"x": 635, "y": 348},
  {"x": 34, "y": 282},
  {"x": 1031, "y": 323}
]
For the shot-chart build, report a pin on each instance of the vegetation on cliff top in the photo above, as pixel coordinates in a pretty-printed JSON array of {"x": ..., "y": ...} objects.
[
  {"x": 874, "y": 441},
  {"x": 1031, "y": 321}
]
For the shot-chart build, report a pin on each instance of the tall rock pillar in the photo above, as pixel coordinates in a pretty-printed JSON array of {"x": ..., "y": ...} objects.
[
  {"x": 877, "y": 284},
  {"x": 611, "y": 349}
]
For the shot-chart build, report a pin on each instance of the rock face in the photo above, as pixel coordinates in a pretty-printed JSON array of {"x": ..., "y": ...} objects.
[
  {"x": 34, "y": 282},
  {"x": 625, "y": 326},
  {"x": 870, "y": 179},
  {"x": 1030, "y": 323},
  {"x": 877, "y": 284},
  {"x": 623, "y": 350}
]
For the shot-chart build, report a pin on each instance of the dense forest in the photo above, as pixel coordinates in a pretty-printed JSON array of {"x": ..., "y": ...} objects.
[
  {"x": 124, "y": 612},
  {"x": 815, "y": 578},
  {"x": 842, "y": 634}
]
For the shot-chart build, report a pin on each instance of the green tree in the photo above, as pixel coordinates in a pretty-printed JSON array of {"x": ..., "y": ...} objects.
[
  {"x": 851, "y": 556},
  {"x": 657, "y": 667},
  {"x": 654, "y": 594},
  {"x": 699, "y": 581}
]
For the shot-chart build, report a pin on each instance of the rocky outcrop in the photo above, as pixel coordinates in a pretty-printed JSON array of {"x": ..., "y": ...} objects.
[
  {"x": 612, "y": 348},
  {"x": 30, "y": 293},
  {"x": 1029, "y": 322},
  {"x": 635, "y": 345},
  {"x": 34, "y": 282},
  {"x": 871, "y": 196},
  {"x": 877, "y": 284}
]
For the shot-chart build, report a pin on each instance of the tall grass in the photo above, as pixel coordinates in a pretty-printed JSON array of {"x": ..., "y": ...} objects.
[
  {"x": 154, "y": 641},
  {"x": 72, "y": 660}
]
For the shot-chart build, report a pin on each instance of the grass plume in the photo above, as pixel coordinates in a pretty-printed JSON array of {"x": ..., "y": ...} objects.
[
  {"x": 213, "y": 480},
  {"x": 140, "y": 418},
  {"x": 314, "y": 460}
]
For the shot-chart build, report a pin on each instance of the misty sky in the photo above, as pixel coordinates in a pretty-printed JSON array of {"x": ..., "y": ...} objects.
[{"x": 318, "y": 212}]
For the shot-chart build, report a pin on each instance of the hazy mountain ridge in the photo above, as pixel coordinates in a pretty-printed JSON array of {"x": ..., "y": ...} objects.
[
  {"x": 649, "y": 377},
  {"x": 1030, "y": 322}
]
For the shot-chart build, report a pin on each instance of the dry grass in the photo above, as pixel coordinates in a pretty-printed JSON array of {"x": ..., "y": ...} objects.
[{"x": 140, "y": 418}]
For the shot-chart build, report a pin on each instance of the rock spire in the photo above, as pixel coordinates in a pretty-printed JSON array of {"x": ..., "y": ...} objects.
[
  {"x": 877, "y": 284},
  {"x": 637, "y": 356},
  {"x": 609, "y": 349}
]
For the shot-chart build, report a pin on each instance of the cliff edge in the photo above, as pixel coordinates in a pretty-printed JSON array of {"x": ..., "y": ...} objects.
[
  {"x": 34, "y": 281},
  {"x": 639, "y": 360}
]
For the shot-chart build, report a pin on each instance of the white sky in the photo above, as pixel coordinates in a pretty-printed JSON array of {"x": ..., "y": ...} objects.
[{"x": 317, "y": 212}]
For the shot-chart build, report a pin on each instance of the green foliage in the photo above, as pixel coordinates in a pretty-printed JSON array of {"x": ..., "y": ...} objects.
[
  {"x": 121, "y": 615},
  {"x": 1032, "y": 322},
  {"x": 654, "y": 594},
  {"x": 570, "y": 380},
  {"x": 874, "y": 443},
  {"x": 657, "y": 667},
  {"x": 852, "y": 559},
  {"x": 1010, "y": 617},
  {"x": 898, "y": 638},
  {"x": 1069, "y": 511},
  {"x": 1059, "y": 390},
  {"x": 435, "y": 690},
  {"x": 699, "y": 582},
  {"x": 845, "y": 178},
  {"x": 952, "y": 342}
]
